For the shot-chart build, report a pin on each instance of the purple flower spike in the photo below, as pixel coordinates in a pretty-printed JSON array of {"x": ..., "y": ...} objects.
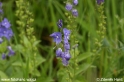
[
  {"x": 75, "y": 12},
  {"x": 3, "y": 56},
  {"x": 75, "y": 2},
  {"x": 64, "y": 61},
  {"x": 57, "y": 37},
  {"x": 60, "y": 23},
  {"x": 11, "y": 52},
  {"x": 5, "y": 23},
  {"x": 68, "y": 6},
  {"x": 99, "y": 1},
  {"x": 58, "y": 52}
]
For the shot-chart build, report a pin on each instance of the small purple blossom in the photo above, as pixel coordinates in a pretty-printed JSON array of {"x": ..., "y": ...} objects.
[
  {"x": 75, "y": 12},
  {"x": 66, "y": 33},
  {"x": 99, "y": 1},
  {"x": 60, "y": 23},
  {"x": 75, "y": 2},
  {"x": 3, "y": 56},
  {"x": 57, "y": 37},
  {"x": 5, "y": 23},
  {"x": 58, "y": 52},
  {"x": 67, "y": 55},
  {"x": 5, "y": 32},
  {"x": 11, "y": 52},
  {"x": 68, "y": 6},
  {"x": 67, "y": 46},
  {"x": 64, "y": 61}
]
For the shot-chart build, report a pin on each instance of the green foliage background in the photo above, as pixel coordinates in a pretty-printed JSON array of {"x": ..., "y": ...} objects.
[{"x": 109, "y": 63}]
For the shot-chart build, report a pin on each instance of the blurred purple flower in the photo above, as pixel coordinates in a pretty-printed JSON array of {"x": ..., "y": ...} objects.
[
  {"x": 67, "y": 55},
  {"x": 66, "y": 33},
  {"x": 64, "y": 61},
  {"x": 68, "y": 6},
  {"x": 67, "y": 46},
  {"x": 75, "y": 12},
  {"x": 57, "y": 37},
  {"x": 3, "y": 56},
  {"x": 60, "y": 23},
  {"x": 59, "y": 52},
  {"x": 99, "y": 1},
  {"x": 75, "y": 2},
  {"x": 5, "y": 23},
  {"x": 6, "y": 32},
  {"x": 11, "y": 52}
]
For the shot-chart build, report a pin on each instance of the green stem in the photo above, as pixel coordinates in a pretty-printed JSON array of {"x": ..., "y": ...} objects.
[
  {"x": 69, "y": 80},
  {"x": 74, "y": 66}
]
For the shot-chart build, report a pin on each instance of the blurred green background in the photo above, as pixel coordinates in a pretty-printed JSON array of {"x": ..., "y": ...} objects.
[{"x": 109, "y": 63}]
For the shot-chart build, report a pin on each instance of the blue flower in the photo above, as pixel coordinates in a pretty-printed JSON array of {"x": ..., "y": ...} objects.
[
  {"x": 11, "y": 52},
  {"x": 57, "y": 37},
  {"x": 99, "y": 1},
  {"x": 66, "y": 33},
  {"x": 3, "y": 56},
  {"x": 75, "y": 12},
  {"x": 75, "y": 2},
  {"x": 5, "y": 23},
  {"x": 64, "y": 61},
  {"x": 60, "y": 23},
  {"x": 67, "y": 55},
  {"x": 6, "y": 32},
  {"x": 68, "y": 6},
  {"x": 67, "y": 46},
  {"x": 59, "y": 52}
]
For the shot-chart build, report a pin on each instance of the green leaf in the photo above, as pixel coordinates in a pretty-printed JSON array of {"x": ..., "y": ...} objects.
[
  {"x": 82, "y": 68},
  {"x": 36, "y": 73},
  {"x": 39, "y": 60},
  {"x": 84, "y": 56},
  {"x": 26, "y": 42},
  {"x": 18, "y": 64},
  {"x": 36, "y": 43},
  {"x": 3, "y": 75}
]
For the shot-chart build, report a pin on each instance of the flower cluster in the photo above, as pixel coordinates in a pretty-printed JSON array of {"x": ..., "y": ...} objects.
[
  {"x": 70, "y": 7},
  {"x": 58, "y": 38},
  {"x": 99, "y": 1},
  {"x": 5, "y": 32}
]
